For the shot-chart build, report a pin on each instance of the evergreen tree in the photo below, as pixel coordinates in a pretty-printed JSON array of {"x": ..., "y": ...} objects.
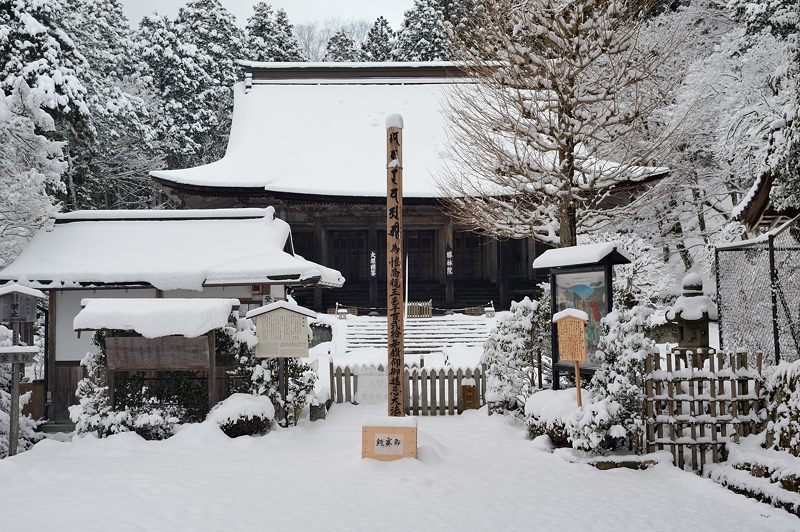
[
  {"x": 379, "y": 42},
  {"x": 188, "y": 98},
  {"x": 36, "y": 51},
  {"x": 30, "y": 171},
  {"x": 341, "y": 48},
  {"x": 212, "y": 29},
  {"x": 122, "y": 150},
  {"x": 423, "y": 36},
  {"x": 270, "y": 36}
]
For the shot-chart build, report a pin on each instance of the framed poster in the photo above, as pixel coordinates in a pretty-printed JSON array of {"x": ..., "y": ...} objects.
[{"x": 586, "y": 291}]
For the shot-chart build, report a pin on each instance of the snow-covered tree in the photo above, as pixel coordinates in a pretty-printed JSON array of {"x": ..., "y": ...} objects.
[
  {"x": 270, "y": 36},
  {"x": 210, "y": 27},
  {"x": 121, "y": 152},
  {"x": 188, "y": 97},
  {"x": 560, "y": 88},
  {"x": 341, "y": 48},
  {"x": 513, "y": 351},
  {"x": 616, "y": 417},
  {"x": 424, "y": 34},
  {"x": 35, "y": 49},
  {"x": 30, "y": 169},
  {"x": 27, "y": 425},
  {"x": 379, "y": 43},
  {"x": 259, "y": 376}
]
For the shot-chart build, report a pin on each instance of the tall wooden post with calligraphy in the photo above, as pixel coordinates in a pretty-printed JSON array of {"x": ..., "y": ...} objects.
[{"x": 394, "y": 264}]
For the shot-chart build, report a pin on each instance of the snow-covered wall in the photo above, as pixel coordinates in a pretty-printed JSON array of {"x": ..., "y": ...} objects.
[{"x": 68, "y": 303}]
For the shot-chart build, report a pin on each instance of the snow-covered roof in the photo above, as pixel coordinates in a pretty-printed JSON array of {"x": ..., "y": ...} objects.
[
  {"x": 169, "y": 250},
  {"x": 16, "y": 287},
  {"x": 326, "y": 138},
  {"x": 318, "y": 128},
  {"x": 155, "y": 317},
  {"x": 281, "y": 304},
  {"x": 582, "y": 255}
]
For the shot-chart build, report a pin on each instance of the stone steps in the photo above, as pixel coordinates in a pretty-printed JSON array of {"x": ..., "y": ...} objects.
[{"x": 421, "y": 336}]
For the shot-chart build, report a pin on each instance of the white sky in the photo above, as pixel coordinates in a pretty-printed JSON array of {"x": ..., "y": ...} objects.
[{"x": 299, "y": 11}]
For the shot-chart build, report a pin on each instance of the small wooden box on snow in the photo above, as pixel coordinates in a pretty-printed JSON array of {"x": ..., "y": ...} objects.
[{"x": 389, "y": 438}]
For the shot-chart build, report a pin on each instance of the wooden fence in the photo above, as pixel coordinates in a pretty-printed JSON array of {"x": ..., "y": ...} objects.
[
  {"x": 698, "y": 401},
  {"x": 429, "y": 392}
]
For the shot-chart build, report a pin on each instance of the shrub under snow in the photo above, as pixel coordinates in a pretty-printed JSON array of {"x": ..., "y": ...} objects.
[
  {"x": 615, "y": 418},
  {"x": 243, "y": 414},
  {"x": 511, "y": 354},
  {"x": 612, "y": 415},
  {"x": 783, "y": 408},
  {"x": 150, "y": 418},
  {"x": 259, "y": 376}
]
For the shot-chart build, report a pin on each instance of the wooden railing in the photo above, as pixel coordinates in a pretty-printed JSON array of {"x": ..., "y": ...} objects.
[
  {"x": 429, "y": 392},
  {"x": 420, "y": 309},
  {"x": 698, "y": 401}
]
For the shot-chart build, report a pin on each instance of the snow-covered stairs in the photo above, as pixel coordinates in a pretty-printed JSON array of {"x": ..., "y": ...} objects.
[
  {"x": 422, "y": 335},
  {"x": 768, "y": 476}
]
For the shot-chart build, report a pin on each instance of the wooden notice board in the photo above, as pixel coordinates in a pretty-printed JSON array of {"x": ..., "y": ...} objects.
[
  {"x": 281, "y": 334},
  {"x": 571, "y": 339},
  {"x": 134, "y": 353}
]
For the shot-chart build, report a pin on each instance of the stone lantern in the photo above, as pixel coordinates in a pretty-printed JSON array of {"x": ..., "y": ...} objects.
[{"x": 692, "y": 313}]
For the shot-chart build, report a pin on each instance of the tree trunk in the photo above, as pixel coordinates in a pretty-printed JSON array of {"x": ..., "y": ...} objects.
[{"x": 568, "y": 221}]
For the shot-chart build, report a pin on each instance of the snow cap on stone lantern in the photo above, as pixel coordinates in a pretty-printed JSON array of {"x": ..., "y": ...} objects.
[{"x": 692, "y": 312}]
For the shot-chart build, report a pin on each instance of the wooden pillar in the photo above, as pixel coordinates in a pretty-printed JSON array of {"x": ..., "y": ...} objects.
[
  {"x": 502, "y": 274},
  {"x": 13, "y": 434},
  {"x": 50, "y": 357},
  {"x": 319, "y": 250},
  {"x": 372, "y": 245},
  {"x": 212, "y": 369},
  {"x": 395, "y": 265},
  {"x": 449, "y": 287}
]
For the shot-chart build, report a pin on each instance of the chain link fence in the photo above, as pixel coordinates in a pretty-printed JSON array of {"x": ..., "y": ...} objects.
[{"x": 758, "y": 290}]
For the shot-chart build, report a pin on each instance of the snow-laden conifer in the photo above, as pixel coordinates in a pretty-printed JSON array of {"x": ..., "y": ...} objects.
[{"x": 270, "y": 36}]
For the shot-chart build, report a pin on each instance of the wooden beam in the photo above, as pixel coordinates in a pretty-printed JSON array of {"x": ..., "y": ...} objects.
[{"x": 50, "y": 363}]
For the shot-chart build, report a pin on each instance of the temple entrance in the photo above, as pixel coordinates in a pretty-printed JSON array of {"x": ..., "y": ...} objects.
[{"x": 347, "y": 252}]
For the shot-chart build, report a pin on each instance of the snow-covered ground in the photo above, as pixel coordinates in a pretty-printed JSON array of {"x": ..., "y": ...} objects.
[{"x": 474, "y": 472}]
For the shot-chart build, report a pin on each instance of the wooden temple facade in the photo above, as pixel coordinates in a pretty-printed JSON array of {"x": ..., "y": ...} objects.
[
  {"x": 349, "y": 235},
  {"x": 327, "y": 180}
]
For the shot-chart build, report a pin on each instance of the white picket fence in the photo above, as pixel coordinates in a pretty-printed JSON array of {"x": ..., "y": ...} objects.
[{"x": 429, "y": 391}]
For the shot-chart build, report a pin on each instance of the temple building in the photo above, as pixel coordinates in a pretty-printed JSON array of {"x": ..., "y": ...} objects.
[{"x": 309, "y": 139}]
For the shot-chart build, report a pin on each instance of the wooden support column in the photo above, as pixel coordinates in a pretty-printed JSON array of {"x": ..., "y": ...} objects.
[
  {"x": 449, "y": 287},
  {"x": 372, "y": 245},
  {"x": 212, "y": 369},
  {"x": 50, "y": 357},
  {"x": 502, "y": 274},
  {"x": 13, "y": 434},
  {"x": 321, "y": 256}
]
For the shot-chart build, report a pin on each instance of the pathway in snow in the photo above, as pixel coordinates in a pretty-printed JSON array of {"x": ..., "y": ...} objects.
[{"x": 474, "y": 472}]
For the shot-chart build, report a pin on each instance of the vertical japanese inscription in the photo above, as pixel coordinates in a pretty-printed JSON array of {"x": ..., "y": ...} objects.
[{"x": 394, "y": 267}]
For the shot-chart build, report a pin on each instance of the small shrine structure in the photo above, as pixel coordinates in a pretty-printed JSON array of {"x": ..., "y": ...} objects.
[{"x": 581, "y": 277}]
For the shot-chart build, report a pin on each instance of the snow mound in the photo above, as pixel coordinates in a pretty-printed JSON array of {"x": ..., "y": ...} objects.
[
  {"x": 554, "y": 404},
  {"x": 241, "y": 406}
]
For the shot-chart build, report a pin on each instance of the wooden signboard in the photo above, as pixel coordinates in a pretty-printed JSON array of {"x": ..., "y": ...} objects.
[
  {"x": 17, "y": 356},
  {"x": 394, "y": 264},
  {"x": 571, "y": 339},
  {"x": 17, "y": 307},
  {"x": 571, "y": 327},
  {"x": 168, "y": 353},
  {"x": 281, "y": 334},
  {"x": 389, "y": 441},
  {"x": 371, "y": 387}
]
